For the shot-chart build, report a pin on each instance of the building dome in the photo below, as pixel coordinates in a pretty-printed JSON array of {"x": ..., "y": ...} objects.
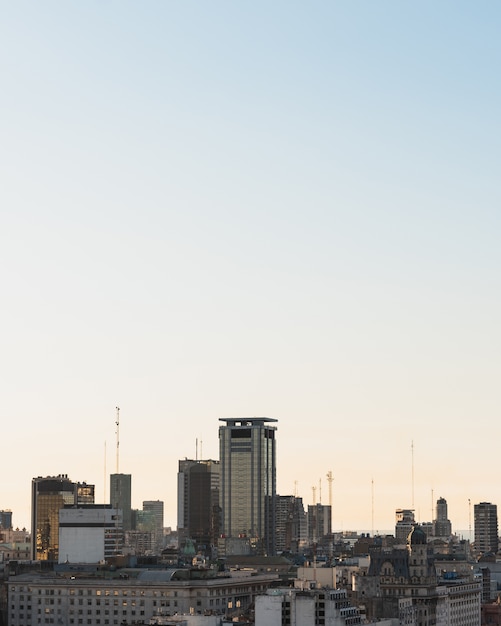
[{"x": 417, "y": 537}]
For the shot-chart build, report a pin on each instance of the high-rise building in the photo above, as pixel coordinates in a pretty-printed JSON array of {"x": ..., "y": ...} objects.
[
  {"x": 319, "y": 521},
  {"x": 120, "y": 497},
  {"x": 486, "y": 528},
  {"x": 48, "y": 496},
  {"x": 156, "y": 508},
  {"x": 6, "y": 520},
  {"x": 198, "y": 512},
  {"x": 442, "y": 525},
  {"x": 247, "y": 449},
  {"x": 291, "y": 524}
]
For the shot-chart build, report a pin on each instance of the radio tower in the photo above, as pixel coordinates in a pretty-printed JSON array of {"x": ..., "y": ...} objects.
[
  {"x": 117, "y": 424},
  {"x": 330, "y": 480}
]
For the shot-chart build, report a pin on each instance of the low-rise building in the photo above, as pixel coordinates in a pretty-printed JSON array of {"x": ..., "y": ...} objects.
[{"x": 82, "y": 600}]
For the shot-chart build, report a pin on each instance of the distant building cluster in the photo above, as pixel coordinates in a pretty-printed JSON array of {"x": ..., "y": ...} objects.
[{"x": 240, "y": 552}]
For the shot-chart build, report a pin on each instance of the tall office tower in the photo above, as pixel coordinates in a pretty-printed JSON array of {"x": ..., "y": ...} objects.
[
  {"x": 404, "y": 523},
  {"x": 198, "y": 513},
  {"x": 291, "y": 524},
  {"x": 120, "y": 497},
  {"x": 48, "y": 496},
  {"x": 319, "y": 521},
  {"x": 6, "y": 520},
  {"x": 486, "y": 528},
  {"x": 442, "y": 525},
  {"x": 247, "y": 449},
  {"x": 156, "y": 508}
]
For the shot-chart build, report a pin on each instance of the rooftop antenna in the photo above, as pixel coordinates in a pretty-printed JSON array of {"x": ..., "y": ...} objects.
[
  {"x": 295, "y": 488},
  {"x": 314, "y": 489},
  {"x": 372, "y": 503},
  {"x": 412, "y": 458},
  {"x": 196, "y": 449},
  {"x": 320, "y": 491},
  {"x": 201, "y": 455},
  {"x": 329, "y": 480},
  {"x": 469, "y": 519},
  {"x": 104, "y": 472},
  {"x": 117, "y": 424}
]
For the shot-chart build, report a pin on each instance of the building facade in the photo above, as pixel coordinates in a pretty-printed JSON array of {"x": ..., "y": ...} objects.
[
  {"x": 35, "y": 600},
  {"x": 319, "y": 522},
  {"x": 247, "y": 449},
  {"x": 198, "y": 511},
  {"x": 89, "y": 533},
  {"x": 48, "y": 496},
  {"x": 306, "y": 605},
  {"x": 442, "y": 525},
  {"x": 121, "y": 497},
  {"x": 486, "y": 528},
  {"x": 156, "y": 508}
]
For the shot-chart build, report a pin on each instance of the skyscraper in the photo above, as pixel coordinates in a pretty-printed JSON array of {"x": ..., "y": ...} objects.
[
  {"x": 247, "y": 448},
  {"x": 198, "y": 512},
  {"x": 156, "y": 508},
  {"x": 486, "y": 528},
  {"x": 48, "y": 496},
  {"x": 120, "y": 497},
  {"x": 319, "y": 521},
  {"x": 443, "y": 526}
]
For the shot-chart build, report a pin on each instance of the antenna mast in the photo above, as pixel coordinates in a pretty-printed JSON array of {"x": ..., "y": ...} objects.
[
  {"x": 412, "y": 455},
  {"x": 372, "y": 503},
  {"x": 117, "y": 424}
]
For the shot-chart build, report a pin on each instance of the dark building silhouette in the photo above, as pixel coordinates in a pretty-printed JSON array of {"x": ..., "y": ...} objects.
[{"x": 198, "y": 502}]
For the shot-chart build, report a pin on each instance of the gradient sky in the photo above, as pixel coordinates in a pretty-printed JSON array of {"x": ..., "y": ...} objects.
[{"x": 284, "y": 209}]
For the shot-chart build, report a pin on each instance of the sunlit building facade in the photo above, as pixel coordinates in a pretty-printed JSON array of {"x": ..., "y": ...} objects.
[
  {"x": 48, "y": 496},
  {"x": 247, "y": 448}
]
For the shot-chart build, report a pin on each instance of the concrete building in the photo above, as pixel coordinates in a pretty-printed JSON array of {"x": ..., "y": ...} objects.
[
  {"x": 291, "y": 524},
  {"x": 404, "y": 522},
  {"x": 403, "y": 583},
  {"x": 319, "y": 522},
  {"x": 306, "y": 605},
  {"x": 5, "y": 520},
  {"x": 35, "y": 600},
  {"x": 247, "y": 449},
  {"x": 198, "y": 510},
  {"x": 89, "y": 533},
  {"x": 442, "y": 525},
  {"x": 156, "y": 508},
  {"x": 485, "y": 516},
  {"x": 121, "y": 497},
  {"x": 48, "y": 496}
]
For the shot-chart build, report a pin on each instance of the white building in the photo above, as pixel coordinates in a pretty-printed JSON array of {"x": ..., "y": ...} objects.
[
  {"x": 306, "y": 605},
  {"x": 89, "y": 533}
]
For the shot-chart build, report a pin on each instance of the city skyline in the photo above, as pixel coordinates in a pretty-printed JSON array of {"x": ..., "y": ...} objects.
[{"x": 225, "y": 209}]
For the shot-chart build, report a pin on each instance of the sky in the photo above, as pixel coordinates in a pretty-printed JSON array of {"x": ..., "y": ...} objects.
[{"x": 286, "y": 209}]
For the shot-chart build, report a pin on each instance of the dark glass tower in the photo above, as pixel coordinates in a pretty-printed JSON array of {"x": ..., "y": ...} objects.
[
  {"x": 198, "y": 512},
  {"x": 120, "y": 497},
  {"x": 247, "y": 449}
]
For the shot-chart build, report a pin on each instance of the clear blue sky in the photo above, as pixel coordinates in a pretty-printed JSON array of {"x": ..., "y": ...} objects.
[{"x": 288, "y": 209}]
